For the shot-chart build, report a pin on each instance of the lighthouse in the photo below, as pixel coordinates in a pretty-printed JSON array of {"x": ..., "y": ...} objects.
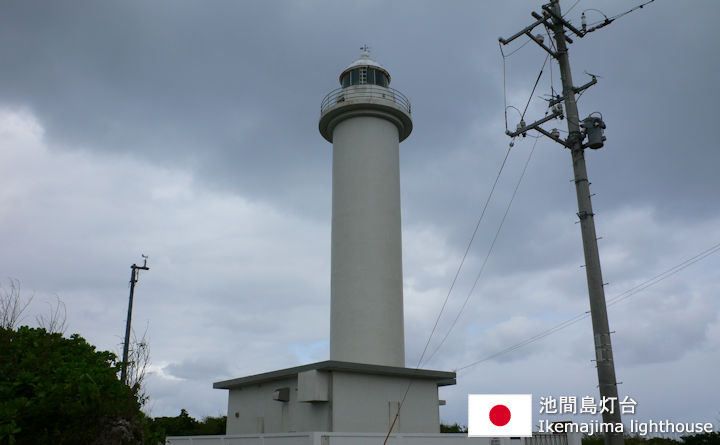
[
  {"x": 364, "y": 390},
  {"x": 366, "y": 120}
]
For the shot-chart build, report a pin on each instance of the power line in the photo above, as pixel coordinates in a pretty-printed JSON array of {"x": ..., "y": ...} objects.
[
  {"x": 571, "y": 8},
  {"x": 517, "y": 49},
  {"x": 452, "y": 285},
  {"x": 504, "y": 86},
  {"x": 602, "y": 23},
  {"x": 467, "y": 250},
  {"x": 542, "y": 68},
  {"x": 616, "y": 299},
  {"x": 487, "y": 256}
]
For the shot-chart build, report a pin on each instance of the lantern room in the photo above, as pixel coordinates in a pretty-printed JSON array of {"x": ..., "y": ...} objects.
[{"x": 365, "y": 71}]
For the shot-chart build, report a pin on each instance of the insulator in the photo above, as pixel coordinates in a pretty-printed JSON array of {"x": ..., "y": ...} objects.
[
  {"x": 555, "y": 132},
  {"x": 583, "y": 21}
]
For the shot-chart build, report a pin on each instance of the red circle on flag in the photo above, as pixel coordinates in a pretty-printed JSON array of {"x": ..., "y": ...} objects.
[{"x": 499, "y": 415}]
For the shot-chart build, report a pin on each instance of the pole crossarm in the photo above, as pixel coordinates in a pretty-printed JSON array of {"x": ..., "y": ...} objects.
[
  {"x": 515, "y": 36},
  {"x": 542, "y": 45},
  {"x": 536, "y": 124},
  {"x": 558, "y": 18},
  {"x": 576, "y": 90},
  {"x": 553, "y": 137}
]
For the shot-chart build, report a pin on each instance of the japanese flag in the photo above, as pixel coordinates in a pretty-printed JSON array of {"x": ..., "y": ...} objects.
[{"x": 500, "y": 415}]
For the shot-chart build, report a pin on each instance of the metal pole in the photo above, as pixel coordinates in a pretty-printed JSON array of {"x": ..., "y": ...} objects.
[
  {"x": 126, "y": 345},
  {"x": 598, "y": 310},
  {"x": 133, "y": 279}
]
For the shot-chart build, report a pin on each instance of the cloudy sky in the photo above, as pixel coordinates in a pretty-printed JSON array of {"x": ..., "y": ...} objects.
[{"x": 187, "y": 131}]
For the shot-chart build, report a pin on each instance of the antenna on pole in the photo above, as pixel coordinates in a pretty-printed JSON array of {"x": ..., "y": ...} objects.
[{"x": 134, "y": 275}]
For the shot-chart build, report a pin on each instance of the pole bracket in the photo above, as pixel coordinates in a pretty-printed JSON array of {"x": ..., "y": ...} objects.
[
  {"x": 576, "y": 90},
  {"x": 518, "y": 34},
  {"x": 541, "y": 44},
  {"x": 534, "y": 125}
]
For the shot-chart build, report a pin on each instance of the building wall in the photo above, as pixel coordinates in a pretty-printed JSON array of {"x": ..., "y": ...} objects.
[
  {"x": 251, "y": 410},
  {"x": 366, "y": 321},
  {"x": 327, "y": 438},
  {"x": 363, "y": 403},
  {"x": 368, "y": 403}
]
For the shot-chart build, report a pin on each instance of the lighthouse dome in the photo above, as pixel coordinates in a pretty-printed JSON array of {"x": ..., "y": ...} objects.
[{"x": 365, "y": 71}]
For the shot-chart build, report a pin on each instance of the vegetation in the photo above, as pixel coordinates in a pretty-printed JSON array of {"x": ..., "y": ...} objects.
[
  {"x": 60, "y": 390},
  {"x": 183, "y": 425},
  {"x": 454, "y": 428}
]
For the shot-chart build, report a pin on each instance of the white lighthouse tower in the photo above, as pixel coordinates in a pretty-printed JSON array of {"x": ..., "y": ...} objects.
[
  {"x": 366, "y": 120},
  {"x": 365, "y": 387}
]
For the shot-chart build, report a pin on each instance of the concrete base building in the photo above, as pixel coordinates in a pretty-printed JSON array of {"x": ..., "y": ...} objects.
[{"x": 335, "y": 397}]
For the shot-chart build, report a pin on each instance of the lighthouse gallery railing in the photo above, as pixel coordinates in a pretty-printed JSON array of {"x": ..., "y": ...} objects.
[{"x": 365, "y": 92}]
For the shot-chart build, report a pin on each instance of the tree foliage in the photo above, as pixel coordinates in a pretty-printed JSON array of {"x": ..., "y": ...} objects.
[
  {"x": 59, "y": 390},
  {"x": 185, "y": 425},
  {"x": 454, "y": 428}
]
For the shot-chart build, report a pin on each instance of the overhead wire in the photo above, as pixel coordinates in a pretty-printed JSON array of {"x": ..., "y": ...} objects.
[
  {"x": 452, "y": 286},
  {"x": 483, "y": 213},
  {"x": 662, "y": 276},
  {"x": 505, "y": 56},
  {"x": 632, "y": 10},
  {"x": 602, "y": 23},
  {"x": 614, "y": 300},
  {"x": 437, "y": 320},
  {"x": 571, "y": 8},
  {"x": 487, "y": 256},
  {"x": 518, "y": 48},
  {"x": 467, "y": 250},
  {"x": 552, "y": 45},
  {"x": 504, "y": 86},
  {"x": 542, "y": 68},
  {"x": 462, "y": 261}
]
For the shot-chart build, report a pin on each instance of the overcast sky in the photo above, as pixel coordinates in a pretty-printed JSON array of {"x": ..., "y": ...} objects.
[{"x": 187, "y": 131}]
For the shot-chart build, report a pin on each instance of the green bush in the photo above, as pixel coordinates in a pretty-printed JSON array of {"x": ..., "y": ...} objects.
[
  {"x": 185, "y": 425},
  {"x": 60, "y": 390},
  {"x": 454, "y": 428}
]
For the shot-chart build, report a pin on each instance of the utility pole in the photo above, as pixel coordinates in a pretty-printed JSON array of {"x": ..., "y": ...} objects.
[
  {"x": 134, "y": 274},
  {"x": 592, "y": 128}
]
